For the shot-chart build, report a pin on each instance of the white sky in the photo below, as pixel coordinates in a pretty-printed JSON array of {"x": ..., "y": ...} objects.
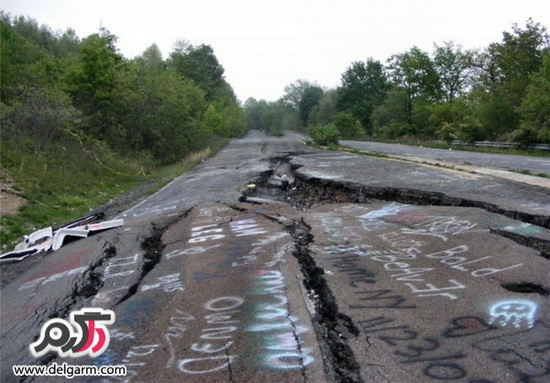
[{"x": 265, "y": 45}]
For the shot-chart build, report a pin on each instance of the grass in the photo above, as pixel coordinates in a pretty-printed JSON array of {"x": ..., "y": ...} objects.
[
  {"x": 529, "y": 173},
  {"x": 363, "y": 153},
  {"x": 66, "y": 182}
]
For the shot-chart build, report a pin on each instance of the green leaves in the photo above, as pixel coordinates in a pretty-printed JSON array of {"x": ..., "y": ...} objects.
[
  {"x": 506, "y": 71},
  {"x": 414, "y": 71},
  {"x": 157, "y": 108},
  {"x": 364, "y": 87},
  {"x": 453, "y": 66},
  {"x": 535, "y": 108},
  {"x": 324, "y": 135}
]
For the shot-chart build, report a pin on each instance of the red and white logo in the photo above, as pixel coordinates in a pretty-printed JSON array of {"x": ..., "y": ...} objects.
[{"x": 84, "y": 334}]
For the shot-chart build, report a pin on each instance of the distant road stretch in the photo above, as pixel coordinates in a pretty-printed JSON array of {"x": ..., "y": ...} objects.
[{"x": 535, "y": 165}]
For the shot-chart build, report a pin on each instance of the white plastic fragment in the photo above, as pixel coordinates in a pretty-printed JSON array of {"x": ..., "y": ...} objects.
[
  {"x": 49, "y": 239},
  {"x": 61, "y": 234},
  {"x": 35, "y": 238}
]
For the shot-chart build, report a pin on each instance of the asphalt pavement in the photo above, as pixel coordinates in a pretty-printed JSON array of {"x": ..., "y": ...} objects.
[
  {"x": 533, "y": 165},
  {"x": 276, "y": 262}
]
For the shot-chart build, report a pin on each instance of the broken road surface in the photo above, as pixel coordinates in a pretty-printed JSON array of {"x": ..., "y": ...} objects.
[{"x": 274, "y": 262}]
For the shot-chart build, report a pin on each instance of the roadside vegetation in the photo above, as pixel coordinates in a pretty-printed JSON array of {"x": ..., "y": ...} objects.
[
  {"x": 82, "y": 124},
  {"x": 499, "y": 93}
]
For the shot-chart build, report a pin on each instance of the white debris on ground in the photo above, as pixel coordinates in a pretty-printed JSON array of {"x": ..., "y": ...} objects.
[{"x": 49, "y": 239}]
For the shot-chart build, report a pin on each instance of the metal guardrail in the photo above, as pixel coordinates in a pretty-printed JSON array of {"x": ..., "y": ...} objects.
[{"x": 500, "y": 145}]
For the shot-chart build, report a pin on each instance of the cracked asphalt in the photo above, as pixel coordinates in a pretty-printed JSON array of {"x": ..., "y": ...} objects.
[{"x": 275, "y": 262}]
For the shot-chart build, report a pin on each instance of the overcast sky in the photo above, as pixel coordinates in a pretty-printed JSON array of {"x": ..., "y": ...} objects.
[{"x": 265, "y": 45}]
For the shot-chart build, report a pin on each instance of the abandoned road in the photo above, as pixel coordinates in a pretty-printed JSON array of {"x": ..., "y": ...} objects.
[
  {"x": 276, "y": 262},
  {"x": 532, "y": 165}
]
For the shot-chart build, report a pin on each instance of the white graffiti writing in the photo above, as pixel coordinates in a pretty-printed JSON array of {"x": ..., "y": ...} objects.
[
  {"x": 105, "y": 297},
  {"x": 134, "y": 358},
  {"x": 449, "y": 257},
  {"x": 119, "y": 267},
  {"x": 334, "y": 227},
  {"x": 206, "y": 233},
  {"x": 178, "y": 326},
  {"x": 279, "y": 255},
  {"x": 189, "y": 251},
  {"x": 280, "y": 330},
  {"x": 154, "y": 210},
  {"x": 441, "y": 226},
  {"x": 119, "y": 335},
  {"x": 388, "y": 210},
  {"x": 52, "y": 278},
  {"x": 223, "y": 310},
  {"x": 246, "y": 227},
  {"x": 402, "y": 271},
  {"x": 168, "y": 283}
]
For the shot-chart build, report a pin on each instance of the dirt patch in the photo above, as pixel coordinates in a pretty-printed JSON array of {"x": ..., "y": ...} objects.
[{"x": 10, "y": 199}]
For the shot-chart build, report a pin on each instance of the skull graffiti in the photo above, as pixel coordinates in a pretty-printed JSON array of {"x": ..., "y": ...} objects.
[{"x": 519, "y": 313}]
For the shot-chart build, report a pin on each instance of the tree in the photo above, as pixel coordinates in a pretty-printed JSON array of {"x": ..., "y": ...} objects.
[
  {"x": 505, "y": 71},
  {"x": 453, "y": 66},
  {"x": 348, "y": 126},
  {"x": 200, "y": 64},
  {"x": 157, "y": 111},
  {"x": 22, "y": 59},
  {"x": 364, "y": 87},
  {"x": 294, "y": 92},
  {"x": 174, "y": 118},
  {"x": 324, "y": 135},
  {"x": 324, "y": 112},
  {"x": 254, "y": 110},
  {"x": 535, "y": 108},
  {"x": 55, "y": 86},
  {"x": 91, "y": 81},
  {"x": 152, "y": 61},
  {"x": 311, "y": 97},
  {"x": 267, "y": 116},
  {"x": 393, "y": 112},
  {"x": 39, "y": 116},
  {"x": 414, "y": 74},
  {"x": 213, "y": 122},
  {"x": 302, "y": 96}
]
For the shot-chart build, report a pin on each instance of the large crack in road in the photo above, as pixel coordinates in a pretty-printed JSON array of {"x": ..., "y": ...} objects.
[
  {"x": 333, "y": 327},
  {"x": 210, "y": 290},
  {"x": 152, "y": 247},
  {"x": 282, "y": 184}
]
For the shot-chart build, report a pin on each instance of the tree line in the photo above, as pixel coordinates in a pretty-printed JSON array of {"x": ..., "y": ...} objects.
[
  {"x": 56, "y": 87},
  {"x": 500, "y": 93}
]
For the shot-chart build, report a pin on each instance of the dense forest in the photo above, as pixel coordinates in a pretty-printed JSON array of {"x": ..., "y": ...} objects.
[
  {"x": 500, "y": 93},
  {"x": 58, "y": 89}
]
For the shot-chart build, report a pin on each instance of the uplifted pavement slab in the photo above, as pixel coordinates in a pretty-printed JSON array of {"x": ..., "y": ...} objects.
[{"x": 433, "y": 293}]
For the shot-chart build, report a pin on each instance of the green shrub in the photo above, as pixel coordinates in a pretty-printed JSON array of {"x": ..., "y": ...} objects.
[
  {"x": 348, "y": 126},
  {"x": 324, "y": 135}
]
